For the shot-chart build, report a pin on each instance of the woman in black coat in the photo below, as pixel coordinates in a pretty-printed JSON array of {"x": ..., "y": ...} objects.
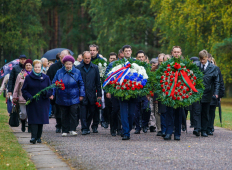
[{"x": 37, "y": 110}]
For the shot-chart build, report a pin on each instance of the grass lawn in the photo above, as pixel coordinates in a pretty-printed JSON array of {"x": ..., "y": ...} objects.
[
  {"x": 226, "y": 114},
  {"x": 12, "y": 155}
]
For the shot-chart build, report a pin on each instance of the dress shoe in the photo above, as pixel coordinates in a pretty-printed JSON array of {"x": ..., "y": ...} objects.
[
  {"x": 33, "y": 140},
  {"x": 84, "y": 132},
  {"x": 105, "y": 125},
  {"x": 213, "y": 130},
  {"x": 204, "y": 134},
  {"x": 209, "y": 133},
  {"x": 58, "y": 130},
  {"x": 168, "y": 137},
  {"x": 72, "y": 133},
  {"x": 176, "y": 137},
  {"x": 95, "y": 130},
  {"x": 163, "y": 134},
  {"x": 159, "y": 133},
  {"x": 137, "y": 132},
  {"x": 88, "y": 132},
  {"x": 183, "y": 128},
  {"x": 125, "y": 137},
  {"x": 196, "y": 132},
  {"x": 119, "y": 132},
  {"x": 144, "y": 129},
  {"x": 152, "y": 129},
  {"x": 113, "y": 134},
  {"x": 39, "y": 141},
  {"x": 64, "y": 134},
  {"x": 191, "y": 126}
]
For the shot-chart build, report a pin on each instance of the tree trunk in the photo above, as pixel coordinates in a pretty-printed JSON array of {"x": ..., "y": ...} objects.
[{"x": 55, "y": 27}]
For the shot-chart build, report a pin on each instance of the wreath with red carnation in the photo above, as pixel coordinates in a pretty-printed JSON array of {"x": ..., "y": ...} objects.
[{"x": 179, "y": 83}]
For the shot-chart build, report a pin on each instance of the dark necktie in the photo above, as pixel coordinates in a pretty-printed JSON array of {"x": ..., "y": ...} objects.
[{"x": 203, "y": 68}]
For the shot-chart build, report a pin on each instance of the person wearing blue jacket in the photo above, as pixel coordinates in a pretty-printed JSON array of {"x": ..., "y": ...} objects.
[{"x": 69, "y": 98}]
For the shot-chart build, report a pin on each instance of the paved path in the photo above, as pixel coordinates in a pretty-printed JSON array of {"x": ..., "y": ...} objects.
[
  {"x": 143, "y": 151},
  {"x": 42, "y": 156}
]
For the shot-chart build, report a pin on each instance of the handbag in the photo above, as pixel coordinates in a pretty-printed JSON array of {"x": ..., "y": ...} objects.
[{"x": 14, "y": 116}]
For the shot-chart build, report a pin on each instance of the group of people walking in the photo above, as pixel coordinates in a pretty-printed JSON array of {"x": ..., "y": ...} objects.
[{"x": 83, "y": 89}]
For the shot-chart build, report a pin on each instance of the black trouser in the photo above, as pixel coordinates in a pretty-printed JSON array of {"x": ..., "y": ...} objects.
[
  {"x": 196, "y": 113},
  {"x": 57, "y": 114},
  {"x": 115, "y": 118},
  {"x": 204, "y": 116},
  {"x": 87, "y": 114},
  {"x": 69, "y": 118},
  {"x": 36, "y": 130},
  {"x": 184, "y": 117},
  {"x": 78, "y": 114},
  {"x": 108, "y": 109},
  {"x": 212, "y": 109}
]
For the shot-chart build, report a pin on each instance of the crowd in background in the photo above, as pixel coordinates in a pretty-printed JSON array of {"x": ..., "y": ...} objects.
[{"x": 77, "y": 102}]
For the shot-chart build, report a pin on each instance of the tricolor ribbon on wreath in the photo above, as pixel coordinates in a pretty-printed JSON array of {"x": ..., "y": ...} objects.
[
  {"x": 184, "y": 77},
  {"x": 120, "y": 74}
]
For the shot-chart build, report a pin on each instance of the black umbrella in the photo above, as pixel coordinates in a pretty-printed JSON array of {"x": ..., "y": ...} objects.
[
  {"x": 220, "y": 111},
  {"x": 51, "y": 54}
]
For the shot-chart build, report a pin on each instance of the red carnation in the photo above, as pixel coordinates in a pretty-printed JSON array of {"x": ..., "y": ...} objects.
[
  {"x": 128, "y": 88},
  {"x": 173, "y": 98},
  {"x": 96, "y": 103},
  {"x": 186, "y": 96},
  {"x": 187, "y": 89},
  {"x": 178, "y": 85},
  {"x": 163, "y": 90},
  {"x": 189, "y": 77},
  {"x": 125, "y": 80},
  {"x": 178, "y": 74},
  {"x": 129, "y": 65},
  {"x": 180, "y": 94},
  {"x": 162, "y": 77},
  {"x": 188, "y": 70},
  {"x": 178, "y": 98},
  {"x": 190, "y": 94},
  {"x": 61, "y": 81},
  {"x": 167, "y": 74},
  {"x": 152, "y": 94},
  {"x": 184, "y": 66},
  {"x": 130, "y": 85},
  {"x": 194, "y": 84},
  {"x": 141, "y": 86},
  {"x": 138, "y": 88},
  {"x": 132, "y": 88},
  {"x": 130, "y": 82},
  {"x": 168, "y": 88},
  {"x": 161, "y": 81},
  {"x": 176, "y": 93},
  {"x": 178, "y": 90},
  {"x": 168, "y": 65},
  {"x": 165, "y": 71},
  {"x": 118, "y": 88},
  {"x": 122, "y": 88},
  {"x": 168, "y": 69},
  {"x": 166, "y": 83},
  {"x": 170, "y": 84},
  {"x": 182, "y": 87},
  {"x": 162, "y": 86},
  {"x": 171, "y": 76},
  {"x": 183, "y": 97},
  {"x": 171, "y": 80},
  {"x": 173, "y": 72},
  {"x": 194, "y": 77},
  {"x": 184, "y": 84},
  {"x": 184, "y": 91},
  {"x": 166, "y": 78},
  {"x": 134, "y": 83},
  {"x": 126, "y": 85},
  {"x": 122, "y": 84},
  {"x": 166, "y": 93}
]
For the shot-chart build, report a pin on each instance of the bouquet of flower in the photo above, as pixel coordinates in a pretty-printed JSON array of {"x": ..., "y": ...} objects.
[
  {"x": 102, "y": 65},
  {"x": 129, "y": 79},
  {"x": 179, "y": 83},
  {"x": 57, "y": 84}
]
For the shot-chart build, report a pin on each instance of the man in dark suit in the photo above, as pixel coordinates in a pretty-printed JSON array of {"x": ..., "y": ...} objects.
[
  {"x": 211, "y": 83},
  {"x": 91, "y": 79}
]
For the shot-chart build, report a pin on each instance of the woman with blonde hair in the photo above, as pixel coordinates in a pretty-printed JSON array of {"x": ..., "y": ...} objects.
[{"x": 37, "y": 110}]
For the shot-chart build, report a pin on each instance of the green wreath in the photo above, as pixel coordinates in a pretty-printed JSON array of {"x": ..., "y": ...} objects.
[
  {"x": 131, "y": 88},
  {"x": 178, "y": 83}
]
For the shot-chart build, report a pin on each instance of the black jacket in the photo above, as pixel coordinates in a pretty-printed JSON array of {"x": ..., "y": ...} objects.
[
  {"x": 53, "y": 69},
  {"x": 211, "y": 82},
  {"x": 13, "y": 75},
  {"x": 91, "y": 79},
  {"x": 221, "y": 89}
]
